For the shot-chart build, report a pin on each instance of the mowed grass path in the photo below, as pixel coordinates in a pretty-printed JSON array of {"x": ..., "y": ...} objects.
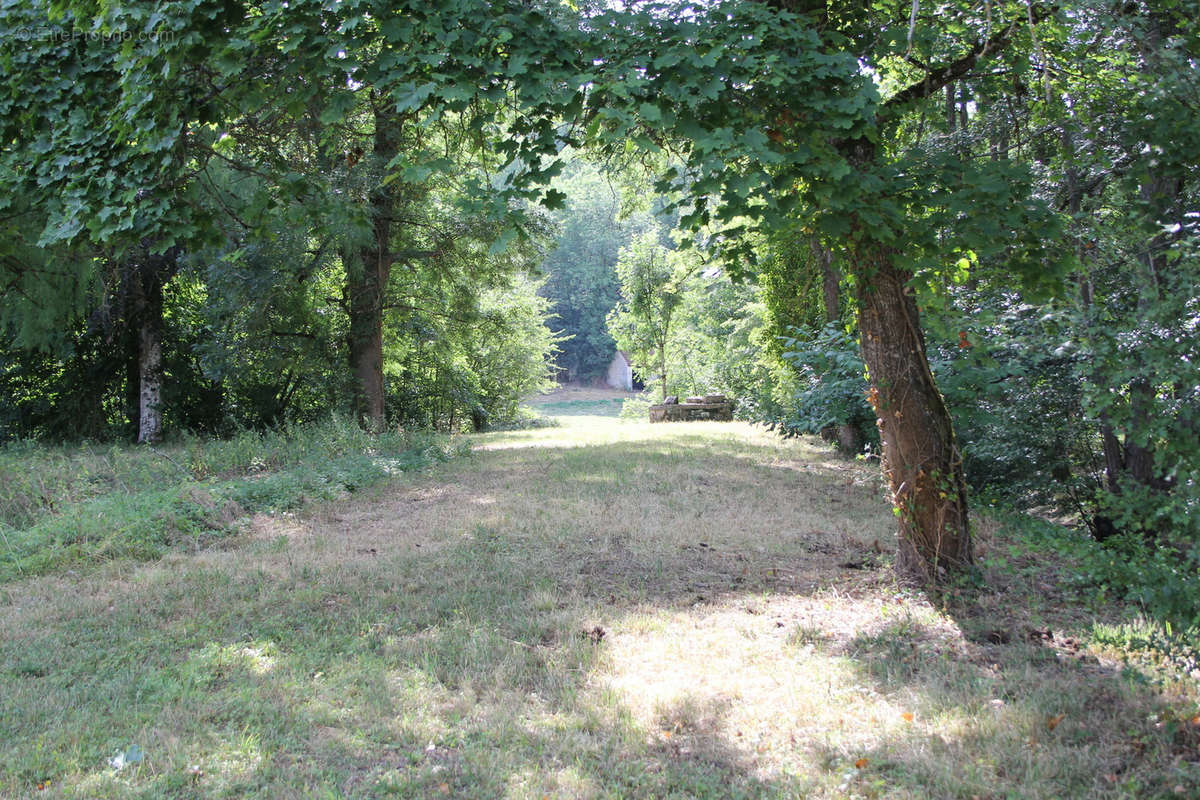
[{"x": 598, "y": 610}]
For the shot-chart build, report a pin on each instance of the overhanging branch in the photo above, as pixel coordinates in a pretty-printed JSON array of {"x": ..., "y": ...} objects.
[{"x": 938, "y": 78}]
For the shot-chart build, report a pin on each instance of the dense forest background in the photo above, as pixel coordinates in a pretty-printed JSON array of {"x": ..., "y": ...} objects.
[{"x": 206, "y": 236}]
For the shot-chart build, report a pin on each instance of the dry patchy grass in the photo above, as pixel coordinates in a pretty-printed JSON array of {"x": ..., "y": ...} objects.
[{"x": 602, "y": 609}]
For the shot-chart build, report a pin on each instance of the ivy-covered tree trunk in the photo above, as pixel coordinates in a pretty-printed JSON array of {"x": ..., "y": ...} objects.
[
  {"x": 849, "y": 438},
  {"x": 920, "y": 459},
  {"x": 367, "y": 275},
  {"x": 830, "y": 279}
]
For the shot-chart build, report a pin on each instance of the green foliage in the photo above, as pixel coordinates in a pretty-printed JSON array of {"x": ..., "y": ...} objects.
[
  {"x": 511, "y": 353},
  {"x": 1162, "y": 642},
  {"x": 653, "y": 284},
  {"x": 471, "y": 368},
  {"x": 832, "y": 380},
  {"x": 1011, "y": 384},
  {"x": 635, "y": 410},
  {"x": 1163, "y": 583},
  {"x": 721, "y": 342},
  {"x": 791, "y": 287},
  {"x": 581, "y": 277},
  {"x": 84, "y": 504}
]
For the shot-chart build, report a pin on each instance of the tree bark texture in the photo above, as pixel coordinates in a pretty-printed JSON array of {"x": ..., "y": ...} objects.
[
  {"x": 367, "y": 277},
  {"x": 920, "y": 460},
  {"x": 365, "y": 288},
  {"x": 149, "y": 310},
  {"x": 144, "y": 276}
]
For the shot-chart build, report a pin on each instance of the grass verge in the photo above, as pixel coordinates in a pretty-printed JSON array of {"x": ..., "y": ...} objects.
[{"x": 76, "y": 505}]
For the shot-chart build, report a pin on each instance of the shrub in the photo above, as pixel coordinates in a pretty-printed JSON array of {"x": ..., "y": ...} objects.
[
  {"x": 832, "y": 382},
  {"x": 635, "y": 409}
]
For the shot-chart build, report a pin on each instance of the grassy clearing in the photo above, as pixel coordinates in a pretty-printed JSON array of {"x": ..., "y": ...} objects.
[
  {"x": 78, "y": 505},
  {"x": 581, "y": 401},
  {"x": 601, "y": 609}
]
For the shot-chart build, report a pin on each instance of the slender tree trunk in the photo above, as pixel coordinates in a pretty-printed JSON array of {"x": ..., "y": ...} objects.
[
  {"x": 662, "y": 366},
  {"x": 367, "y": 276},
  {"x": 849, "y": 438},
  {"x": 145, "y": 278},
  {"x": 150, "y": 375}
]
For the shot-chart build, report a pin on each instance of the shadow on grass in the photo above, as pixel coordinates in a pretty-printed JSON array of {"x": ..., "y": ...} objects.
[
  {"x": 359, "y": 687},
  {"x": 476, "y": 669}
]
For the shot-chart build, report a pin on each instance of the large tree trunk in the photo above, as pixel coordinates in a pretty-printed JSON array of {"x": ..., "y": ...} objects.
[
  {"x": 366, "y": 283},
  {"x": 365, "y": 286},
  {"x": 920, "y": 459}
]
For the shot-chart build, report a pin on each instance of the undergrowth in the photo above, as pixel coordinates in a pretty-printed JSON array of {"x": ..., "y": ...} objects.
[
  {"x": 70, "y": 505},
  {"x": 1161, "y": 583}
]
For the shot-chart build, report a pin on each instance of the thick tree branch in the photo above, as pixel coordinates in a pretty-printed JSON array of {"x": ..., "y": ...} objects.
[{"x": 936, "y": 79}]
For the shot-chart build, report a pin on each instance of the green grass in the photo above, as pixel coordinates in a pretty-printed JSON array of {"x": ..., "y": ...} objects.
[
  {"x": 603, "y": 407},
  {"x": 82, "y": 504},
  {"x": 597, "y": 610}
]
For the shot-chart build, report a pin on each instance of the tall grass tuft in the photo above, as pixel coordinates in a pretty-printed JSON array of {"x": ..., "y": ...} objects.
[{"x": 62, "y": 505}]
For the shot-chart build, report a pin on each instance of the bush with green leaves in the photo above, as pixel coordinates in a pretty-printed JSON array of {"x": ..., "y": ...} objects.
[
  {"x": 635, "y": 410},
  {"x": 832, "y": 381}
]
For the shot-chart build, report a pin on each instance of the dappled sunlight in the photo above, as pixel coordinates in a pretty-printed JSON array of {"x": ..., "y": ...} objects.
[
  {"x": 870, "y": 694},
  {"x": 236, "y": 758},
  {"x": 784, "y": 704},
  {"x": 693, "y": 611},
  {"x": 563, "y": 782},
  {"x": 575, "y": 431},
  {"x": 215, "y": 661}
]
